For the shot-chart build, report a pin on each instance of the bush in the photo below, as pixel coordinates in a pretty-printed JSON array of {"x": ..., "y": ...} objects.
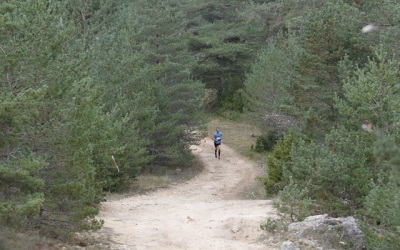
[
  {"x": 295, "y": 201},
  {"x": 267, "y": 141},
  {"x": 273, "y": 183},
  {"x": 337, "y": 172},
  {"x": 383, "y": 220},
  {"x": 382, "y": 205}
]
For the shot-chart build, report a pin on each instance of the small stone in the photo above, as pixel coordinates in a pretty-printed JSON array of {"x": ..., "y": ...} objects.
[{"x": 288, "y": 245}]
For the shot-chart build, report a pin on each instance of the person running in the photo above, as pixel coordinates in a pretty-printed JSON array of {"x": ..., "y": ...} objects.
[{"x": 217, "y": 143}]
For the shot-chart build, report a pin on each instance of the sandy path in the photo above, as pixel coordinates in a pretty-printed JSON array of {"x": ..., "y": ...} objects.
[{"x": 203, "y": 213}]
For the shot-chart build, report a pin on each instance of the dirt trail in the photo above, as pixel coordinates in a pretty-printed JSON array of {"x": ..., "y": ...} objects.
[{"x": 203, "y": 213}]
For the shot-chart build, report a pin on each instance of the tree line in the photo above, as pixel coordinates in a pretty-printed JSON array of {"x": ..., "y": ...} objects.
[
  {"x": 342, "y": 86},
  {"x": 82, "y": 82},
  {"x": 87, "y": 80}
]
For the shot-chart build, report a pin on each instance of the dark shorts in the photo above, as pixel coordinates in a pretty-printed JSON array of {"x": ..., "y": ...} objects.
[{"x": 216, "y": 144}]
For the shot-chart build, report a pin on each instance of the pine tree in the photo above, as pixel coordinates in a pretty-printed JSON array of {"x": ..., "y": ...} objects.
[
  {"x": 297, "y": 72},
  {"x": 21, "y": 97},
  {"x": 58, "y": 128},
  {"x": 272, "y": 75},
  {"x": 152, "y": 85},
  {"x": 372, "y": 100},
  {"x": 21, "y": 186},
  {"x": 384, "y": 15},
  {"x": 223, "y": 47}
]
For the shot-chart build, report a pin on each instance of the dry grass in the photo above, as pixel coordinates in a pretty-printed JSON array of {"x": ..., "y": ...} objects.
[
  {"x": 146, "y": 183},
  {"x": 238, "y": 135},
  {"x": 149, "y": 182},
  {"x": 241, "y": 134},
  {"x": 10, "y": 239}
]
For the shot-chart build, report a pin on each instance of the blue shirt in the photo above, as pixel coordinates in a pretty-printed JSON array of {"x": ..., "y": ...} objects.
[{"x": 217, "y": 137}]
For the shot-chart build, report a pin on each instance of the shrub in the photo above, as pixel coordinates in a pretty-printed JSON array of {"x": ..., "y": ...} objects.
[
  {"x": 273, "y": 183},
  {"x": 382, "y": 204},
  {"x": 382, "y": 208},
  {"x": 296, "y": 201},
  {"x": 336, "y": 172},
  {"x": 267, "y": 141}
]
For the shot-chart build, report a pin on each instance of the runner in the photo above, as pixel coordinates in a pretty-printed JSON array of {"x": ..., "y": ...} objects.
[{"x": 217, "y": 143}]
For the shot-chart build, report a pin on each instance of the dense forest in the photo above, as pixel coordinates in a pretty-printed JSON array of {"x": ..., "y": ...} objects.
[{"x": 84, "y": 82}]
